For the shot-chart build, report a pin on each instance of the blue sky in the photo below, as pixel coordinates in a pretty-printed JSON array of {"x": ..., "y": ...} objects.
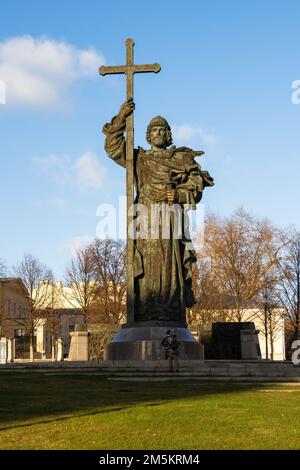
[{"x": 225, "y": 86}]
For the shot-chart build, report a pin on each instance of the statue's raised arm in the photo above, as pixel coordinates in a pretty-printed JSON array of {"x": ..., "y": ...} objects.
[{"x": 115, "y": 145}]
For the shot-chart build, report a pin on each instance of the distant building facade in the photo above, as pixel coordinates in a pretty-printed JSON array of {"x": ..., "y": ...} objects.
[
  {"x": 66, "y": 312},
  {"x": 14, "y": 306}
]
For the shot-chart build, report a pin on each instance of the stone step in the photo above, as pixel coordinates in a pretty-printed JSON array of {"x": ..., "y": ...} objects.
[{"x": 187, "y": 369}]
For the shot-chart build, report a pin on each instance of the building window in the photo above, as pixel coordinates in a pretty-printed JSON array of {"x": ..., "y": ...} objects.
[{"x": 20, "y": 332}]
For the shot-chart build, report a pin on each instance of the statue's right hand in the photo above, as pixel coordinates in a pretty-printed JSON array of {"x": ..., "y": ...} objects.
[{"x": 127, "y": 108}]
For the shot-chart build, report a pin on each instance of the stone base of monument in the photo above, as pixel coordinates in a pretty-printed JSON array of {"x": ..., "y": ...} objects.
[
  {"x": 144, "y": 344},
  {"x": 230, "y": 341},
  {"x": 7, "y": 350},
  {"x": 79, "y": 347},
  {"x": 241, "y": 371}
]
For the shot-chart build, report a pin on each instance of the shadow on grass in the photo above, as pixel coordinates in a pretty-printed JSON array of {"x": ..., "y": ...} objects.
[
  {"x": 78, "y": 415},
  {"x": 28, "y": 398}
]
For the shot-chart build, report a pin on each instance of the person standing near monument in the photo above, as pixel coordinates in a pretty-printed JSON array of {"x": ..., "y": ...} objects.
[
  {"x": 171, "y": 346},
  {"x": 166, "y": 342},
  {"x": 173, "y": 353},
  {"x": 164, "y": 175}
]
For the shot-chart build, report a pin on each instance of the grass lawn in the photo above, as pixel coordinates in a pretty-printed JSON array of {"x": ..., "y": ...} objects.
[{"x": 76, "y": 410}]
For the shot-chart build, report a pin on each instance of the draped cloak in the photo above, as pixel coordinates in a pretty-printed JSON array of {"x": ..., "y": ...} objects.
[{"x": 162, "y": 265}]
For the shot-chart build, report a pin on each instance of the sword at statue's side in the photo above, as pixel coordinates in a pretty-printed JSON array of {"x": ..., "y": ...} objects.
[{"x": 129, "y": 69}]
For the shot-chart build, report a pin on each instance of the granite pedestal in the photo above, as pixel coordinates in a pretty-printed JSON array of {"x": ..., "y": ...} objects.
[
  {"x": 79, "y": 347},
  {"x": 230, "y": 341},
  {"x": 143, "y": 343}
]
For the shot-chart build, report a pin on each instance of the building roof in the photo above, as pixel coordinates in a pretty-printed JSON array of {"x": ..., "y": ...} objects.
[{"x": 18, "y": 280}]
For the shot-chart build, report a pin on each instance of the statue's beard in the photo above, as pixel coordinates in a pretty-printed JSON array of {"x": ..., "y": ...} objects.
[{"x": 159, "y": 142}]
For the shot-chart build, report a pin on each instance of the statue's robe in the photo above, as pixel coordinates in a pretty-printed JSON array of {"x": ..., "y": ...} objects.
[{"x": 162, "y": 266}]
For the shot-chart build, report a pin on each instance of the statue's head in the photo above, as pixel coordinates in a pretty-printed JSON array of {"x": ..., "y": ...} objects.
[{"x": 159, "y": 132}]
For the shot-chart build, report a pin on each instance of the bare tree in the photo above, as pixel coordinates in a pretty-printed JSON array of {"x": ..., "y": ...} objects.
[
  {"x": 242, "y": 250},
  {"x": 271, "y": 313},
  {"x": 3, "y": 272},
  {"x": 81, "y": 279},
  {"x": 110, "y": 264},
  {"x": 52, "y": 313},
  {"x": 3, "y": 268},
  {"x": 210, "y": 305},
  {"x": 36, "y": 278},
  {"x": 96, "y": 278},
  {"x": 290, "y": 283}
]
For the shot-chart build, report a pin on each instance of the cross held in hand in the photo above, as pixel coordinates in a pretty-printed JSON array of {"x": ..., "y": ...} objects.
[{"x": 129, "y": 69}]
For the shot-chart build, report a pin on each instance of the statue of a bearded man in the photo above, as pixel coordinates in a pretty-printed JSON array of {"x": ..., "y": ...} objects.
[{"x": 164, "y": 176}]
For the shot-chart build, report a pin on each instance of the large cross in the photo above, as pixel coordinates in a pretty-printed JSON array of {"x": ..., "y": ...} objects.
[{"x": 129, "y": 70}]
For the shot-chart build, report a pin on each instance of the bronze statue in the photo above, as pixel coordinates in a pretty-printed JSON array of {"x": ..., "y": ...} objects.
[
  {"x": 163, "y": 175},
  {"x": 159, "y": 268}
]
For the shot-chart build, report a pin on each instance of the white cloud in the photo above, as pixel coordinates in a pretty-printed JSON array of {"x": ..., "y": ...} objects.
[
  {"x": 188, "y": 133},
  {"x": 59, "y": 167},
  {"x": 90, "y": 173},
  {"x": 37, "y": 71},
  {"x": 78, "y": 242},
  {"x": 2, "y": 92},
  {"x": 89, "y": 61},
  {"x": 86, "y": 171}
]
